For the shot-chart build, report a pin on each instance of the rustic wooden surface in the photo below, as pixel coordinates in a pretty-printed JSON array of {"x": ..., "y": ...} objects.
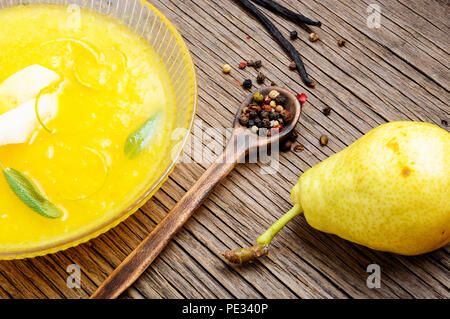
[{"x": 397, "y": 72}]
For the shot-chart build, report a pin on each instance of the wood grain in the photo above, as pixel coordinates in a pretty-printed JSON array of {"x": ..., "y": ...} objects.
[{"x": 398, "y": 72}]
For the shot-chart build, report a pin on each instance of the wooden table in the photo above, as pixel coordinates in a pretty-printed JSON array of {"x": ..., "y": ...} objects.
[{"x": 397, "y": 72}]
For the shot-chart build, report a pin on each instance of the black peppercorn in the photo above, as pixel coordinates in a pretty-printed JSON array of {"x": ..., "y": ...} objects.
[
  {"x": 272, "y": 116},
  {"x": 260, "y": 78},
  {"x": 258, "y": 64},
  {"x": 258, "y": 122},
  {"x": 294, "y": 35},
  {"x": 251, "y": 123},
  {"x": 264, "y": 114},
  {"x": 247, "y": 84},
  {"x": 326, "y": 110}
]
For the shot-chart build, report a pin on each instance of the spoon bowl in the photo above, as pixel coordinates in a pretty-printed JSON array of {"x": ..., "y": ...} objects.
[{"x": 254, "y": 140}]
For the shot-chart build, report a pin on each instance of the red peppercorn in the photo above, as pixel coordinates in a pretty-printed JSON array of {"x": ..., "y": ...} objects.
[
  {"x": 302, "y": 98},
  {"x": 242, "y": 65}
]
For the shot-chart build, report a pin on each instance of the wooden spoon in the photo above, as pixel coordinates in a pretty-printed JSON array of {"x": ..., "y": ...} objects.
[{"x": 242, "y": 142}]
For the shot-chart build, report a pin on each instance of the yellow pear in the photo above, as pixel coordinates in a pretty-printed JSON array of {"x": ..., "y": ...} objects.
[{"x": 388, "y": 191}]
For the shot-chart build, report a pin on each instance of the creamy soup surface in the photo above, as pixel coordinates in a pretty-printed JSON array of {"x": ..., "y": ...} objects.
[{"x": 109, "y": 83}]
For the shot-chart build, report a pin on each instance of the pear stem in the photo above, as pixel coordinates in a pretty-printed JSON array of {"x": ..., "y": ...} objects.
[
  {"x": 266, "y": 238},
  {"x": 250, "y": 254}
]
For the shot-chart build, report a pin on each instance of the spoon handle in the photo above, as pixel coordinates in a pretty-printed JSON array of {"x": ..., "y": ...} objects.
[{"x": 147, "y": 251}]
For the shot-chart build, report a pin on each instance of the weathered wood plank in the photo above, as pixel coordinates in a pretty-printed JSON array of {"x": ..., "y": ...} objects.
[{"x": 398, "y": 72}]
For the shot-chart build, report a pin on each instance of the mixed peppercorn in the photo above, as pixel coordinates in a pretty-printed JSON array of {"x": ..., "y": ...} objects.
[{"x": 266, "y": 112}]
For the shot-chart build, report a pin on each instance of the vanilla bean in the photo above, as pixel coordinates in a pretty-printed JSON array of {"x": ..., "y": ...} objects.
[
  {"x": 291, "y": 15},
  {"x": 290, "y": 49}
]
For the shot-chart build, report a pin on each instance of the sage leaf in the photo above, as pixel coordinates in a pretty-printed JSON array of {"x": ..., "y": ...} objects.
[
  {"x": 29, "y": 194},
  {"x": 141, "y": 138}
]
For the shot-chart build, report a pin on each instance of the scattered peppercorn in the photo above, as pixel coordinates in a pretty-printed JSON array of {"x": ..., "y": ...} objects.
[
  {"x": 258, "y": 64},
  {"x": 293, "y": 66},
  {"x": 260, "y": 78},
  {"x": 444, "y": 122},
  {"x": 294, "y": 35},
  {"x": 299, "y": 148},
  {"x": 242, "y": 65},
  {"x": 313, "y": 37},
  {"x": 324, "y": 140},
  {"x": 326, "y": 111},
  {"x": 247, "y": 84},
  {"x": 226, "y": 68},
  {"x": 302, "y": 98},
  {"x": 341, "y": 42},
  {"x": 273, "y": 84}
]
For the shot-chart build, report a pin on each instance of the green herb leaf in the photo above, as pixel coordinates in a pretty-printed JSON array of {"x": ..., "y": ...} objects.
[
  {"x": 142, "y": 137},
  {"x": 29, "y": 194}
]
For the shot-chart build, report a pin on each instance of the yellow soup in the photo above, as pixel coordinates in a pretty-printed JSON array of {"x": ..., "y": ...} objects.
[{"x": 110, "y": 82}]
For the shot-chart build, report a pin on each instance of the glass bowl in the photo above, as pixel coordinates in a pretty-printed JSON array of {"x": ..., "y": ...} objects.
[{"x": 162, "y": 35}]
